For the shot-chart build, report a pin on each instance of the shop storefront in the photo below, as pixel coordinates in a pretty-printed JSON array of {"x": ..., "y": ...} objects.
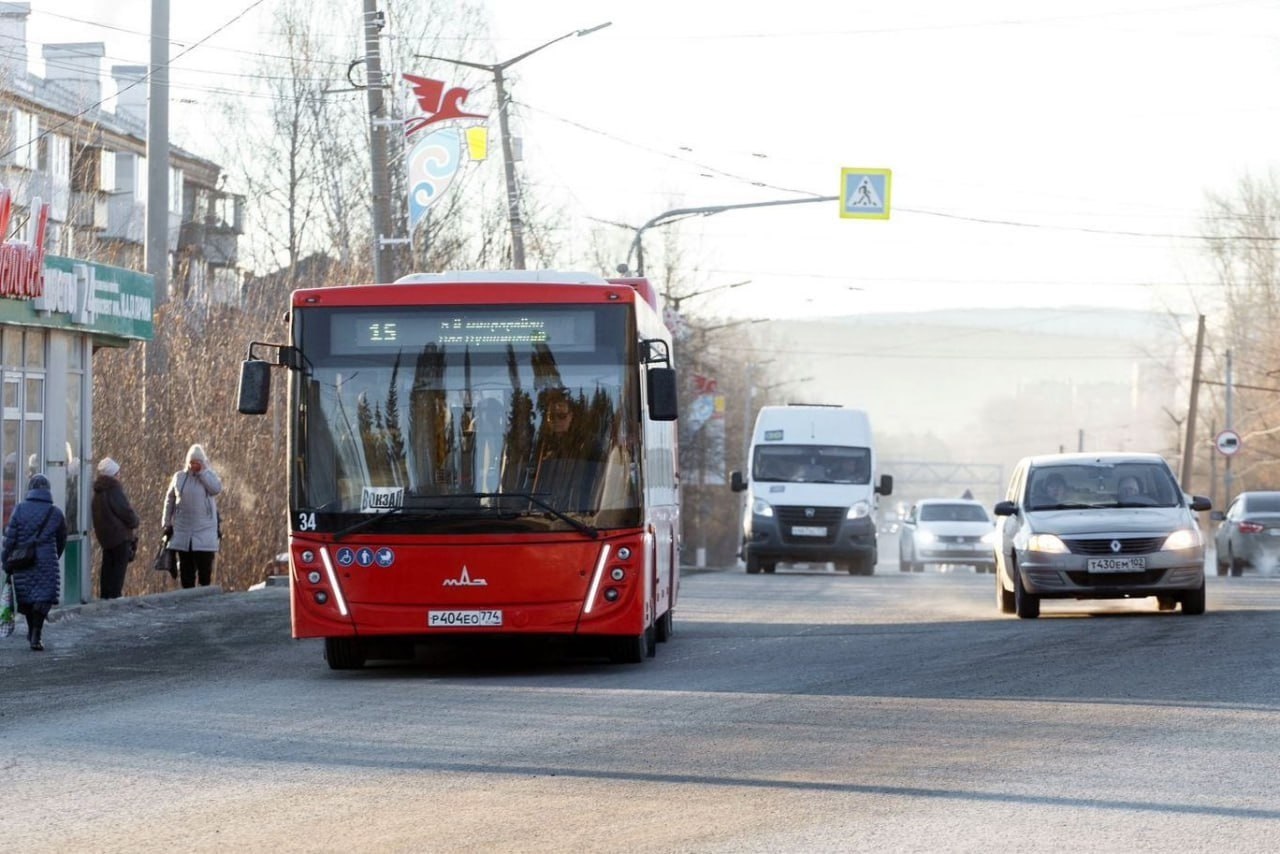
[{"x": 54, "y": 312}]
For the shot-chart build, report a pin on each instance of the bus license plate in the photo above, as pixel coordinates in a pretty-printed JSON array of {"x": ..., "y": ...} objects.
[
  {"x": 808, "y": 531},
  {"x": 1117, "y": 564},
  {"x": 463, "y": 619}
]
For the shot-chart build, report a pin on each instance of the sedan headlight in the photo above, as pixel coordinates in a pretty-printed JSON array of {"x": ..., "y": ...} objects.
[
  {"x": 861, "y": 510},
  {"x": 1047, "y": 543},
  {"x": 989, "y": 538},
  {"x": 1183, "y": 538},
  {"x": 760, "y": 507}
]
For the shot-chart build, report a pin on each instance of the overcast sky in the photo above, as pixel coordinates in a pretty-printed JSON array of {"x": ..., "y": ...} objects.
[{"x": 1043, "y": 154}]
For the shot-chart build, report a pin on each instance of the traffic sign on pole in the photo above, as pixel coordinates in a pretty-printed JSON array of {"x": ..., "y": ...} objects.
[
  {"x": 1228, "y": 442},
  {"x": 864, "y": 193}
]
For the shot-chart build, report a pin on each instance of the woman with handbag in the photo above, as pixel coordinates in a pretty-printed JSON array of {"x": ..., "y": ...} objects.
[
  {"x": 115, "y": 524},
  {"x": 190, "y": 519},
  {"x": 37, "y": 524}
]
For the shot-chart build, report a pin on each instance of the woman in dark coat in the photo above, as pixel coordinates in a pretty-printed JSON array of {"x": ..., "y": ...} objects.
[
  {"x": 116, "y": 526},
  {"x": 36, "y": 590}
]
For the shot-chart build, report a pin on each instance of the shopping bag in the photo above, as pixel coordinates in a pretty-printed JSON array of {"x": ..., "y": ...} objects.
[{"x": 6, "y": 608}]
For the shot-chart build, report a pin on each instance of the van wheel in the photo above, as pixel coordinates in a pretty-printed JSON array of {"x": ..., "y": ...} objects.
[
  {"x": 344, "y": 653},
  {"x": 753, "y": 566},
  {"x": 771, "y": 567}
]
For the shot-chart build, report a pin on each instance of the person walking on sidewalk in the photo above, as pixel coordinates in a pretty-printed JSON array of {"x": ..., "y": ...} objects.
[
  {"x": 190, "y": 519},
  {"x": 115, "y": 524},
  {"x": 36, "y": 520}
]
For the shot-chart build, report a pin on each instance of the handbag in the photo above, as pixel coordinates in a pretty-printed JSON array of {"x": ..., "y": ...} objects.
[
  {"x": 166, "y": 560},
  {"x": 133, "y": 551},
  {"x": 23, "y": 556}
]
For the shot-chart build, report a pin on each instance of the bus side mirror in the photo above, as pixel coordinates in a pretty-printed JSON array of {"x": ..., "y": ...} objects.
[
  {"x": 886, "y": 485},
  {"x": 662, "y": 393},
  {"x": 255, "y": 387}
]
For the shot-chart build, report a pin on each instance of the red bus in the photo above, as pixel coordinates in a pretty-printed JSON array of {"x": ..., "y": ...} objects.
[{"x": 478, "y": 453}]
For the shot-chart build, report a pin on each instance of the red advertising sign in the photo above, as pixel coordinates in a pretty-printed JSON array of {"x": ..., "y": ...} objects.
[{"x": 22, "y": 264}]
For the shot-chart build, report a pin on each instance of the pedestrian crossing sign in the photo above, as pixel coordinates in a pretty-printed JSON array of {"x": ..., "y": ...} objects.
[{"x": 864, "y": 193}]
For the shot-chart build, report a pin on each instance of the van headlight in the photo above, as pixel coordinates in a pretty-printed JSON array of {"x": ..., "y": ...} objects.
[
  {"x": 760, "y": 507},
  {"x": 1047, "y": 543},
  {"x": 926, "y": 537},
  {"x": 1183, "y": 538},
  {"x": 860, "y": 510},
  {"x": 989, "y": 538}
]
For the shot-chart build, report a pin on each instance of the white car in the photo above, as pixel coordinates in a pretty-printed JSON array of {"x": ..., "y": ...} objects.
[{"x": 956, "y": 531}]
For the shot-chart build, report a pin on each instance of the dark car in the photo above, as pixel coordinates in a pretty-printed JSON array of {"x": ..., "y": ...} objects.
[
  {"x": 1098, "y": 526},
  {"x": 1249, "y": 533}
]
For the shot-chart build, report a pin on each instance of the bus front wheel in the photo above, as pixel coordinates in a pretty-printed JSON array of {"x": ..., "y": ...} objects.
[{"x": 344, "y": 653}]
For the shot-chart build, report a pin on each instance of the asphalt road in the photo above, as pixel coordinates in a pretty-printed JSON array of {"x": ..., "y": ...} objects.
[{"x": 802, "y": 711}]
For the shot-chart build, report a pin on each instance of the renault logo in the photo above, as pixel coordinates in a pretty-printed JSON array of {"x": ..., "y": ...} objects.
[{"x": 1115, "y": 547}]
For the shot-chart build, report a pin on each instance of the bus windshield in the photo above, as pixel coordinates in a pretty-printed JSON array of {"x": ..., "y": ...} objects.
[{"x": 449, "y": 415}]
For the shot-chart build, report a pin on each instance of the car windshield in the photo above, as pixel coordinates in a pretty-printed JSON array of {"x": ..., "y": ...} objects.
[
  {"x": 812, "y": 464},
  {"x": 1102, "y": 484},
  {"x": 953, "y": 513}
]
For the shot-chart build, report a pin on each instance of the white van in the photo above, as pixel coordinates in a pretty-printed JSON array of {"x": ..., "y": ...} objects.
[{"x": 812, "y": 491}]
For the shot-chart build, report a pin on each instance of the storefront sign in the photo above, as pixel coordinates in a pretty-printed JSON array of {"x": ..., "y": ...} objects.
[{"x": 22, "y": 264}]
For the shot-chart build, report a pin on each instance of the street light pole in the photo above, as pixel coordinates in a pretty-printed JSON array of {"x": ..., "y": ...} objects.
[
  {"x": 637, "y": 247},
  {"x": 508, "y": 154}
]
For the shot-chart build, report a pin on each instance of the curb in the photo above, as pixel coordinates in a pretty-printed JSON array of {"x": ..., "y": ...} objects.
[{"x": 100, "y": 605}]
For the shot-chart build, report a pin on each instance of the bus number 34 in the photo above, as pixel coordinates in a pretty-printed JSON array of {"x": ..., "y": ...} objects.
[{"x": 306, "y": 521}]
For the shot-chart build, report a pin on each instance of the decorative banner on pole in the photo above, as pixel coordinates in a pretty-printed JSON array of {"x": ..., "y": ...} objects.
[
  {"x": 437, "y": 104},
  {"x": 434, "y": 159},
  {"x": 432, "y": 163}
]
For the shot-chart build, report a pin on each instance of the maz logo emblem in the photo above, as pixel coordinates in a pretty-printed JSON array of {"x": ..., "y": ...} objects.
[{"x": 465, "y": 580}]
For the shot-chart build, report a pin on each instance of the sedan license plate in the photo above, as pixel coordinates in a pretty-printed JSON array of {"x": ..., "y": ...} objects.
[
  {"x": 808, "y": 531},
  {"x": 1117, "y": 564},
  {"x": 464, "y": 619}
]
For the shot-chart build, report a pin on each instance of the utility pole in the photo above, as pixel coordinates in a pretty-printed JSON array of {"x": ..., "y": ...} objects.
[
  {"x": 382, "y": 260},
  {"x": 509, "y": 172},
  {"x": 1189, "y": 443},
  {"x": 1226, "y": 477},
  {"x": 157, "y": 216}
]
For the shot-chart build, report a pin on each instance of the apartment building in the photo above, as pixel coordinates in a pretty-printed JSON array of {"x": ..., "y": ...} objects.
[{"x": 73, "y": 194}]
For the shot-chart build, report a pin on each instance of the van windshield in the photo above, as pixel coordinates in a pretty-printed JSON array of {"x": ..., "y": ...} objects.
[{"x": 811, "y": 464}]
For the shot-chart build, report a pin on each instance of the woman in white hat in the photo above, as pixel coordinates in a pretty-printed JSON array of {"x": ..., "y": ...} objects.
[
  {"x": 116, "y": 527},
  {"x": 191, "y": 518}
]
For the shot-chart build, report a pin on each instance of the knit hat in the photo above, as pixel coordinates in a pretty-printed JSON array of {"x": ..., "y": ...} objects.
[
  {"x": 38, "y": 481},
  {"x": 109, "y": 467},
  {"x": 196, "y": 452}
]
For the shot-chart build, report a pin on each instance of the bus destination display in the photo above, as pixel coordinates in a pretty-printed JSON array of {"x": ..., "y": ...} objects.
[{"x": 366, "y": 331}]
